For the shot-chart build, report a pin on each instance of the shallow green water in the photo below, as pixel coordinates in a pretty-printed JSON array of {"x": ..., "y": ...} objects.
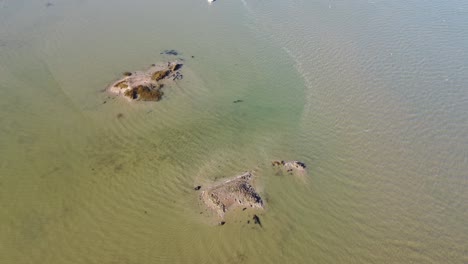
[{"x": 371, "y": 95}]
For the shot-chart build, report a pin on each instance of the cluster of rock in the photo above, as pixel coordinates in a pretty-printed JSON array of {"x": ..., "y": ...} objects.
[
  {"x": 147, "y": 85},
  {"x": 233, "y": 193},
  {"x": 239, "y": 192},
  {"x": 221, "y": 197},
  {"x": 289, "y": 164},
  {"x": 291, "y": 167}
]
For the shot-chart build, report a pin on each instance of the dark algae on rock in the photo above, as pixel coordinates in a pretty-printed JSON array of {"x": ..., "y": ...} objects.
[
  {"x": 159, "y": 75},
  {"x": 145, "y": 93},
  {"x": 176, "y": 66}
]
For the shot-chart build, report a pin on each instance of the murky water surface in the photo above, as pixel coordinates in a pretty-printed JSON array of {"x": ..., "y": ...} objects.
[{"x": 371, "y": 95}]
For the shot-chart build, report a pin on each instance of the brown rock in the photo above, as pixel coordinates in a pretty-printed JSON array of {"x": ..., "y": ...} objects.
[{"x": 159, "y": 75}]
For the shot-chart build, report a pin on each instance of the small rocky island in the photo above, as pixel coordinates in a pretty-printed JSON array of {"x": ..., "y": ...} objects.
[
  {"x": 147, "y": 85},
  {"x": 239, "y": 192},
  {"x": 231, "y": 194},
  {"x": 291, "y": 167}
]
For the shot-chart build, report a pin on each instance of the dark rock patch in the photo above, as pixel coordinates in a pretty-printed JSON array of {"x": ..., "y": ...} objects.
[
  {"x": 301, "y": 164},
  {"x": 170, "y": 52},
  {"x": 176, "y": 66}
]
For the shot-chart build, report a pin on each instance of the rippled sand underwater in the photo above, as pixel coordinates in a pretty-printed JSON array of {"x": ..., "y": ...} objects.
[{"x": 370, "y": 95}]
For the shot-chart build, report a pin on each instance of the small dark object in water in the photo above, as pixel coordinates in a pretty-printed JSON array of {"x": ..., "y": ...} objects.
[
  {"x": 170, "y": 52},
  {"x": 222, "y": 223},
  {"x": 248, "y": 221},
  {"x": 153, "y": 64},
  {"x": 104, "y": 102},
  {"x": 193, "y": 56},
  {"x": 238, "y": 101},
  {"x": 243, "y": 209},
  {"x": 49, "y": 4},
  {"x": 146, "y": 212},
  {"x": 197, "y": 188},
  {"x": 127, "y": 73},
  {"x": 120, "y": 115},
  {"x": 257, "y": 220}
]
